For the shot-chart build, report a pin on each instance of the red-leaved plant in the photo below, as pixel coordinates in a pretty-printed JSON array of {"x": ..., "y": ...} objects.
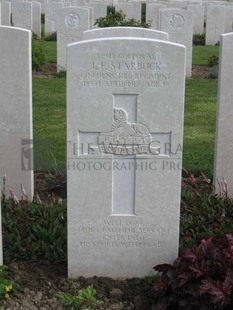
[{"x": 201, "y": 278}]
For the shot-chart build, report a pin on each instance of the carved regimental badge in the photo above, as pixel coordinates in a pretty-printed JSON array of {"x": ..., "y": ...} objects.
[
  {"x": 72, "y": 20},
  {"x": 127, "y": 138},
  {"x": 177, "y": 21}
]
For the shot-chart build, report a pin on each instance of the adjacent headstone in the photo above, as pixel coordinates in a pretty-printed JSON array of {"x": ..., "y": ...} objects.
[
  {"x": 124, "y": 32},
  {"x": 5, "y": 13},
  {"x": 50, "y": 17},
  {"x": 99, "y": 10},
  {"x": 178, "y": 4},
  {"x": 36, "y": 20},
  {"x": 130, "y": 9},
  {"x": 198, "y": 18},
  {"x": 22, "y": 14},
  {"x": 152, "y": 14},
  {"x": 178, "y": 24},
  {"x": 43, "y": 4},
  {"x": 229, "y": 18},
  {"x": 16, "y": 158},
  {"x": 125, "y": 101},
  {"x": 223, "y": 167},
  {"x": 215, "y": 24},
  {"x": 71, "y": 22}
]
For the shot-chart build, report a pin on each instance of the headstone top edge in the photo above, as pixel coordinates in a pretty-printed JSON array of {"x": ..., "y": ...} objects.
[
  {"x": 73, "y": 45},
  {"x": 71, "y": 8},
  {"x": 15, "y": 29},
  {"x": 225, "y": 35},
  {"x": 125, "y": 28}
]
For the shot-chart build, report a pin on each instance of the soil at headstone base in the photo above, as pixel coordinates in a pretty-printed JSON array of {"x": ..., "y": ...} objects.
[{"x": 41, "y": 284}]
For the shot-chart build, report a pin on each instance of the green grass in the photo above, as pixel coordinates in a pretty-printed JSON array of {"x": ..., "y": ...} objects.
[
  {"x": 49, "y": 122},
  {"x": 201, "y": 54},
  {"x": 50, "y": 49},
  {"x": 199, "y": 125}
]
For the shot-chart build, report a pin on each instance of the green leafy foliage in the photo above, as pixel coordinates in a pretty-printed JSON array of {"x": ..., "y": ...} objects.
[
  {"x": 7, "y": 286},
  {"x": 199, "y": 39},
  {"x": 201, "y": 278},
  {"x": 213, "y": 73},
  {"x": 117, "y": 19},
  {"x": 51, "y": 37},
  {"x": 85, "y": 297},
  {"x": 203, "y": 214},
  {"x": 60, "y": 74},
  {"x": 34, "y": 230},
  {"x": 213, "y": 60},
  {"x": 38, "y": 55}
]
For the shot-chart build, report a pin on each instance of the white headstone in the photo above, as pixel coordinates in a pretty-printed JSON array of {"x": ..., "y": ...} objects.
[
  {"x": 123, "y": 182},
  {"x": 71, "y": 22},
  {"x": 223, "y": 168},
  {"x": 99, "y": 10},
  {"x": 22, "y": 14},
  {"x": 178, "y": 24},
  {"x": 125, "y": 32},
  {"x": 43, "y": 4},
  {"x": 50, "y": 16},
  {"x": 36, "y": 21},
  {"x": 229, "y": 18},
  {"x": 152, "y": 14},
  {"x": 178, "y": 4},
  {"x": 5, "y": 13},
  {"x": 67, "y": 4},
  {"x": 16, "y": 158},
  {"x": 198, "y": 18},
  {"x": 215, "y": 24},
  {"x": 130, "y": 9}
]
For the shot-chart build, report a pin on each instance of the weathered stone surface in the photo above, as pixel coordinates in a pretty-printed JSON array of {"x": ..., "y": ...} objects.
[
  {"x": 123, "y": 155},
  {"x": 125, "y": 32},
  {"x": 22, "y": 14},
  {"x": 16, "y": 158},
  {"x": 36, "y": 20},
  {"x": 178, "y": 23},
  {"x": 215, "y": 24},
  {"x": 5, "y": 13},
  {"x": 223, "y": 168},
  {"x": 71, "y": 22}
]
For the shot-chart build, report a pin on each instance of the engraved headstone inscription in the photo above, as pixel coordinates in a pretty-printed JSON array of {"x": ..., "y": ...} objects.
[
  {"x": 223, "y": 167},
  {"x": 124, "y": 151},
  {"x": 16, "y": 148}
]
